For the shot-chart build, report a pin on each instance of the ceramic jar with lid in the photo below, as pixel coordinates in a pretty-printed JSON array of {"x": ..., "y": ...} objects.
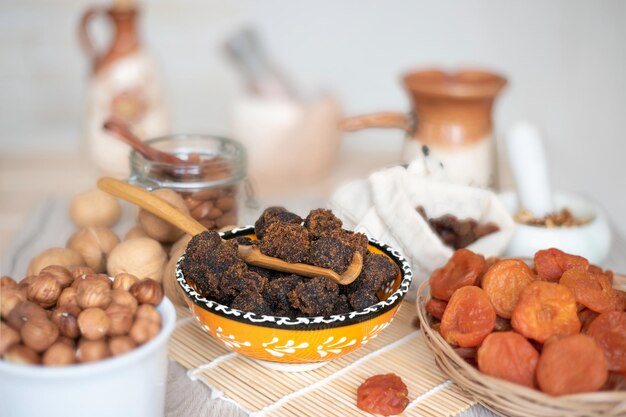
[
  {"x": 450, "y": 120},
  {"x": 212, "y": 183}
]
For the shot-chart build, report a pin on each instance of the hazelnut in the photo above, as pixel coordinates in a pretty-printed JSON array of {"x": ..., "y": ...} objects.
[
  {"x": 66, "y": 319},
  {"x": 9, "y": 297},
  {"x": 148, "y": 312},
  {"x": 25, "y": 283},
  {"x": 147, "y": 291},
  {"x": 124, "y": 281},
  {"x": 23, "y": 312},
  {"x": 93, "y": 293},
  {"x": 68, "y": 341},
  {"x": 124, "y": 298},
  {"x": 7, "y": 282},
  {"x": 45, "y": 291},
  {"x": 121, "y": 344},
  {"x": 92, "y": 350},
  {"x": 79, "y": 271},
  {"x": 93, "y": 323},
  {"x": 121, "y": 319},
  {"x": 59, "y": 354},
  {"x": 8, "y": 337},
  {"x": 63, "y": 276},
  {"x": 22, "y": 355},
  {"x": 39, "y": 334},
  {"x": 67, "y": 297},
  {"x": 94, "y": 244},
  {"x": 144, "y": 330}
]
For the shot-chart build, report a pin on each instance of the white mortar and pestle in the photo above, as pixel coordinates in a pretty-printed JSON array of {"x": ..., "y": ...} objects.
[{"x": 529, "y": 167}]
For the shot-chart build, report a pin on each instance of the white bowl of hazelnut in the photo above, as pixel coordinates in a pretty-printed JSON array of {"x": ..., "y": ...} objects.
[
  {"x": 578, "y": 225},
  {"x": 76, "y": 343}
]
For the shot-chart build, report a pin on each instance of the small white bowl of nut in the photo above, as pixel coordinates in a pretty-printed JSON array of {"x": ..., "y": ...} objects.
[
  {"x": 577, "y": 225},
  {"x": 76, "y": 343}
]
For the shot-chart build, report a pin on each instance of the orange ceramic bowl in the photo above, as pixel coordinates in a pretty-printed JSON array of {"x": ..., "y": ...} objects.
[{"x": 301, "y": 343}]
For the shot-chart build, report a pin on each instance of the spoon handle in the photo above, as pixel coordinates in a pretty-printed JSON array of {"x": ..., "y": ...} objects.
[
  {"x": 151, "y": 203},
  {"x": 253, "y": 256}
]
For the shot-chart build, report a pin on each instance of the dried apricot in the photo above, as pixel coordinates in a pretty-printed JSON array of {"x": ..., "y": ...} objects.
[
  {"x": 463, "y": 268},
  {"x": 436, "y": 308},
  {"x": 609, "y": 330},
  {"x": 503, "y": 283},
  {"x": 586, "y": 316},
  {"x": 508, "y": 355},
  {"x": 571, "y": 365},
  {"x": 383, "y": 394},
  {"x": 551, "y": 263},
  {"x": 468, "y": 318},
  {"x": 594, "y": 291},
  {"x": 545, "y": 309}
]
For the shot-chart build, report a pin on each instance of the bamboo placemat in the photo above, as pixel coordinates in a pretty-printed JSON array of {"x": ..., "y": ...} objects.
[{"x": 329, "y": 390}]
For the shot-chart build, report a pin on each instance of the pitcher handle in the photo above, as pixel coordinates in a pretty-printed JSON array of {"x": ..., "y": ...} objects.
[
  {"x": 394, "y": 120},
  {"x": 84, "y": 36}
]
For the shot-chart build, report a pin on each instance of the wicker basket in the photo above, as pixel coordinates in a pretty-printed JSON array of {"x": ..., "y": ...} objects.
[{"x": 507, "y": 398}]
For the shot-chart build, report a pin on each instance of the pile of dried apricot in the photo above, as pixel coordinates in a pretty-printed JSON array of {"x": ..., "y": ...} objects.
[{"x": 559, "y": 327}]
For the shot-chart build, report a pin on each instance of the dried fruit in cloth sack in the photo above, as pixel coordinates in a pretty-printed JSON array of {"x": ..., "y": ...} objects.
[
  {"x": 463, "y": 268},
  {"x": 594, "y": 291},
  {"x": 571, "y": 365},
  {"x": 545, "y": 309},
  {"x": 468, "y": 318},
  {"x": 503, "y": 282},
  {"x": 508, "y": 355},
  {"x": 609, "y": 331},
  {"x": 383, "y": 394},
  {"x": 551, "y": 263}
]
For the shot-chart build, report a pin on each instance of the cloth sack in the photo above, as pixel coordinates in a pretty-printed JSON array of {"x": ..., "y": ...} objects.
[{"x": 384, "y": 207}]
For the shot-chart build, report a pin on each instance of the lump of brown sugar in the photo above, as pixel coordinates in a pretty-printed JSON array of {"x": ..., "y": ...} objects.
[
  {"x": 322, "y": 222},
  {"x": 356, "y": 241},
  {"x": 251, "y": 300},
  {"x": 362, "y": 298},
  {"x": 277, "y": 290},
  {"x": 289, "y": 242},
  {"x": 329, "y": 252},
  {"x": 272, "y": 215},
  {"x": 377, "y": 270},
  {"x": 239, "y": 279},
  {"x": 315, "y": 297}
]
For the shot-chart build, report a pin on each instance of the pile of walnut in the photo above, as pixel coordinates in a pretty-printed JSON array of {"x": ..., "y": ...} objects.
[
  {"x": 73, "y": 315},
  {"x": 560, "y": 327},
  {"x": 149, "y": 249}
]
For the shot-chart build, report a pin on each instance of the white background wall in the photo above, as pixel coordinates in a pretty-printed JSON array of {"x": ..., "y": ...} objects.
[{"x": 565, "y": 59}]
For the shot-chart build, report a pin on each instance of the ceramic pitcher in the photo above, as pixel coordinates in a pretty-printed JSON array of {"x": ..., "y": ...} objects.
[{"x": 450, "y": 120}]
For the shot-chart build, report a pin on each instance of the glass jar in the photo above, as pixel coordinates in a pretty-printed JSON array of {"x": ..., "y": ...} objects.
[{"x": 211, "y": 182}]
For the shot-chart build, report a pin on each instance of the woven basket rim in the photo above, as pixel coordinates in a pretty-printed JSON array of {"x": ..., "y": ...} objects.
[{"x": 505, "y": 397}]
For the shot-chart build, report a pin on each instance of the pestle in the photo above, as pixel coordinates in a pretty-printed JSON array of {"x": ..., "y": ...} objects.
[{"x": 529, "y": 167}]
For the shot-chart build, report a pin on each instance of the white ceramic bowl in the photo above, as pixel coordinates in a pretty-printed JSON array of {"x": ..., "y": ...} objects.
[
  {"x": 591, "y": 240},
  {"x": 132, "y": 384}
]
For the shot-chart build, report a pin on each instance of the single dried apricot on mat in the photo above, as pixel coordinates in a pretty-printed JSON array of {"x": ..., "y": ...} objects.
[
  {"x": 609, "y": 330},
  {"x": 468, "y": 318},
  {"x": 463, "y": 268},
  {"x": 551, "y": 263},
  {"x": 570, "y": 365},
  {"x": 594, "y": 291},
  {"x": 504, "y": 282},
  {"x": 383, "y": 394},
  {"x": 436, "y": 308},
  {"x": 508, "y": 355},
  {"x": 545, "y": 309}
]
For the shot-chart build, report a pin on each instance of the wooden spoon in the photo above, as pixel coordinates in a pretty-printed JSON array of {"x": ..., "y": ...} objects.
[
  {"x": 121, "y": 131},
  {"x": 250, "y": 254}
]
